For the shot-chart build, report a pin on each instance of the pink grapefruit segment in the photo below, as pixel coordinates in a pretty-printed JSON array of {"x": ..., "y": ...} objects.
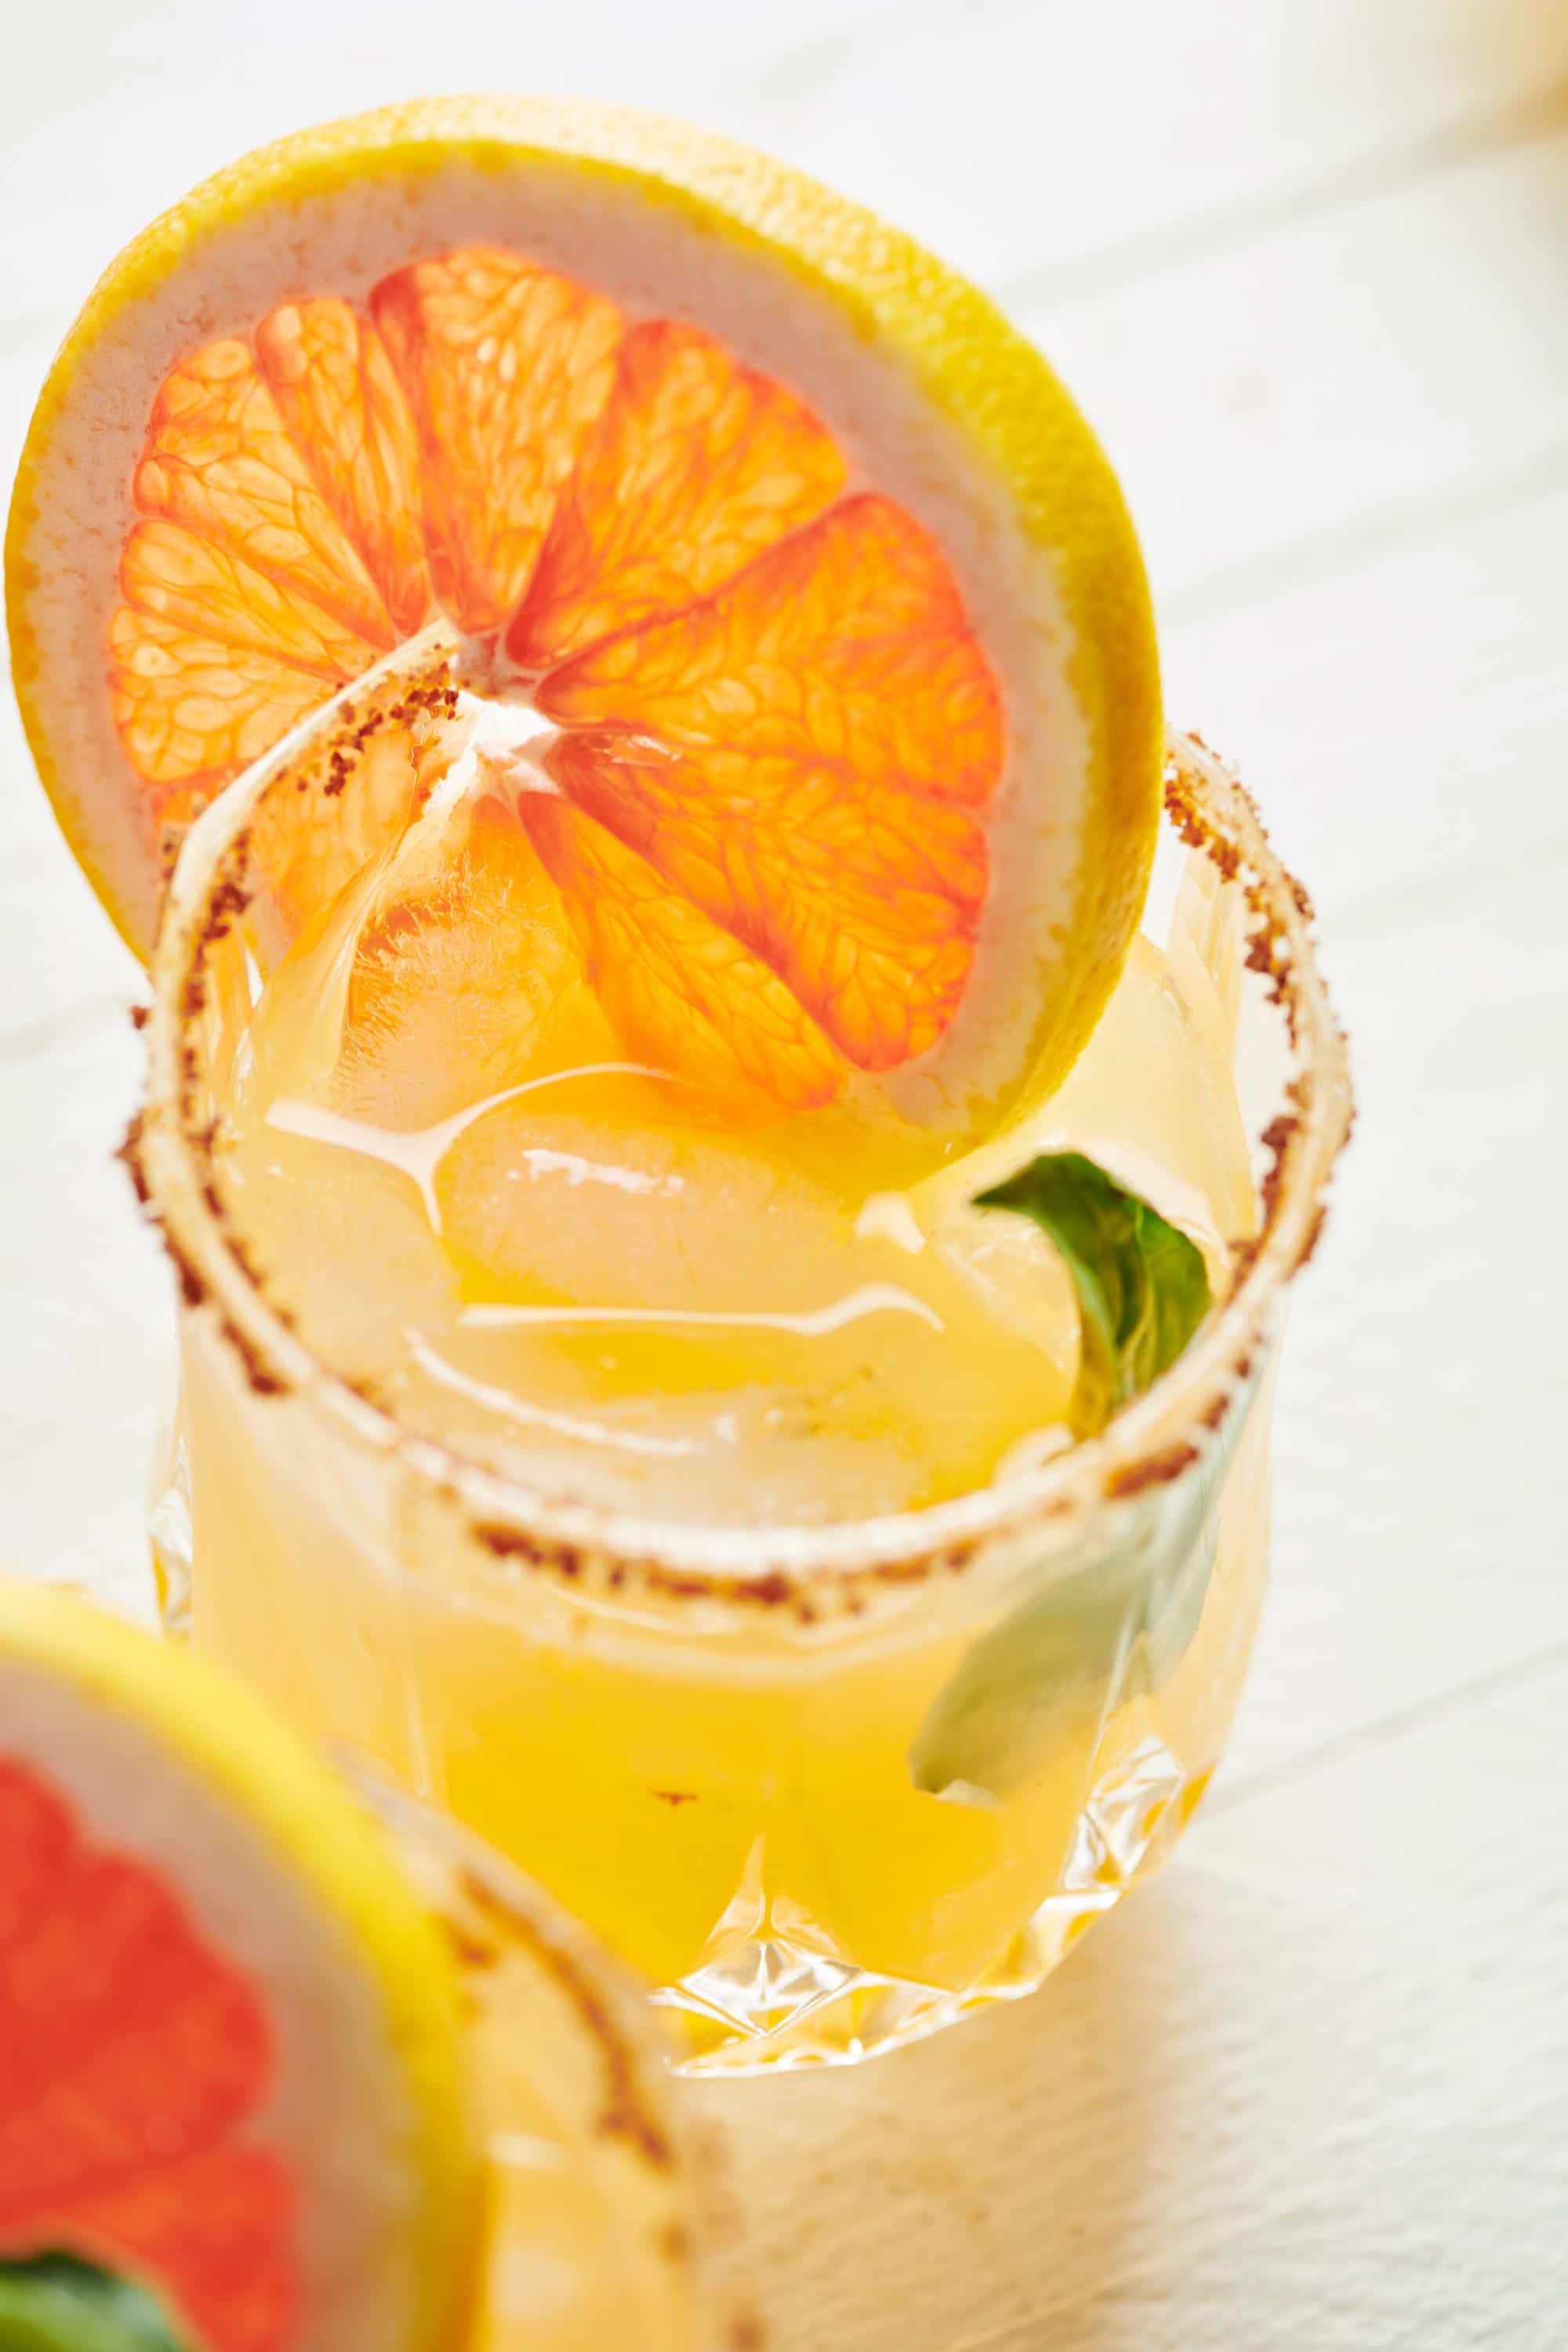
[
  {"x": 681, "y": 992},
  {"x": 133, "y": 2056},
  {"x": 220, "y": 461},
  {"x": 340, "y": 398},
  {"x": 847, "y": 644},
  {"x": 697, "y": 464},
  {"x": 802, "y": 756},
  {"x": 506, "y": 367},
  {"x": 193, "y": 708}
]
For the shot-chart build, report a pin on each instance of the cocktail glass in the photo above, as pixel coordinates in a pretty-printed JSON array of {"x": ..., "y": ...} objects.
[
  {"x": 605, "y": 2209},
  {"x": 829, "y": 1787}
]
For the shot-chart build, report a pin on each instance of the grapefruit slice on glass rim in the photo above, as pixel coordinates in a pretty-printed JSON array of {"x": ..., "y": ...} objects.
[
  {"x": 230, "y": 2036},
  {"x": 819, "y": 596}
]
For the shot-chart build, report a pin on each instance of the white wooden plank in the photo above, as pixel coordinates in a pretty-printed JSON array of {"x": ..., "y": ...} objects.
[
  {"x": 1302, "y": 2096},
  {"x": 1422, "y": 1519},
  {"x": 1400, "y": 718},
  {"x": 86, "y": 1338},
  {"x": 1039, "y": 141},
  {"x": 1035, "y": 139},
  {"x": 1289, "y": 397},
  {"x": 58, "y": 950}
]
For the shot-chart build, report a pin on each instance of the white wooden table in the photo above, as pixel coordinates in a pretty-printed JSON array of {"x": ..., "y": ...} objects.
[{"x": 1306, "y": 263}]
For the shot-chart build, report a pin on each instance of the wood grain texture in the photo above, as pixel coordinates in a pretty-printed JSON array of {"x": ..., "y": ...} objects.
[
  {"x": 86, "y": 1340},
  {"x": 59, "y": 956},
  {"x": 1401, "y": 712},
  {"x": 1305, "y": 266},
  {"x": 1300, "y": 393}
]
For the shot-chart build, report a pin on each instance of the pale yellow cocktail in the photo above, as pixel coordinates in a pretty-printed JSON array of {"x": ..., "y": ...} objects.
[{"x": 794, "y": 1648}]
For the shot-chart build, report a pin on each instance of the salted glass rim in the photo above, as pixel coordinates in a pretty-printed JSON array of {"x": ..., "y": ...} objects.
[{"x": 1151, "y": 1440}]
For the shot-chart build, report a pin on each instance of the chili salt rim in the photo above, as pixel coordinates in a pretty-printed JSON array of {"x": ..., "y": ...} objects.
[{"x": 827, "y": 1570}]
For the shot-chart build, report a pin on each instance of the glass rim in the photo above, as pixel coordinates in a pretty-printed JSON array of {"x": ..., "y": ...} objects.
[{"x": 170, "y": 1152}]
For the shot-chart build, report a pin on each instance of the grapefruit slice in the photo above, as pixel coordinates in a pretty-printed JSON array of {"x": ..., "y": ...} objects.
[
  {"x": 229, "y": 2035},
  {"x": 823, "y": 588}
]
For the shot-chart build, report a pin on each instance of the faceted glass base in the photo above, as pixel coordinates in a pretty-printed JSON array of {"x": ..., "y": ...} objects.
[{"x": 774, "y": 1988}]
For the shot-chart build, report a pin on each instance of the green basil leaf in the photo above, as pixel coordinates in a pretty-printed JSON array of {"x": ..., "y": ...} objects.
[
  {"x": 1143, "y": 1288},
  {"x": 1111, "y": 1622},
  {"x": 1114, "y": 1618},
  {"x": 53, "y": 2303}
]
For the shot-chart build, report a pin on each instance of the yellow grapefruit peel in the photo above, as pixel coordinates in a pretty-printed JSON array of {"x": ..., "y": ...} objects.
[{"x": 198, "y": 1727}]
